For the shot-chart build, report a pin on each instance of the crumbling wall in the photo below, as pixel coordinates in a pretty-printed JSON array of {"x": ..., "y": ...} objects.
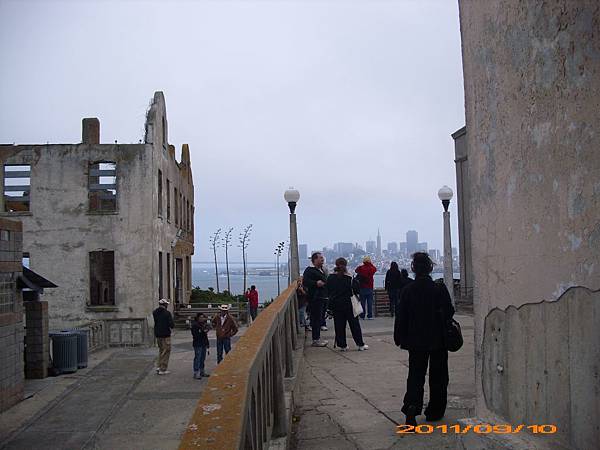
[
  {"x": 60, "y": 231},
  {"x": 532, "y": 98}
]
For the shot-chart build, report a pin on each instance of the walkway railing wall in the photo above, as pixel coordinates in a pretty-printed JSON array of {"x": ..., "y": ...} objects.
[{"x": 243, "y": 405}]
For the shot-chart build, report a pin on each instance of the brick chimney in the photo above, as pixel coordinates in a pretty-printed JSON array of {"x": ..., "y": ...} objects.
[{"x": 90, "y": 133}]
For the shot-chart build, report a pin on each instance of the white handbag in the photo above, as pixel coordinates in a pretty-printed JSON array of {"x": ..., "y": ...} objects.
[{"x": 357, "y": 308}]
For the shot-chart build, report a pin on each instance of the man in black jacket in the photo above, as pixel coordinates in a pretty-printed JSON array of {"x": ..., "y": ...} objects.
[
  {"x": 314, "y": 280},
  {"x": 163, "y": 324},
  {"x": 200, "y": 327},
  {"x": 423, "y": 310}
]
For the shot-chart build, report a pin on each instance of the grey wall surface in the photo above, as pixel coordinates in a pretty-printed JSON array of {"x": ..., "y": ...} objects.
[
  {"x": 541, "y": 363},
  {"x": 532, "y": 97}
]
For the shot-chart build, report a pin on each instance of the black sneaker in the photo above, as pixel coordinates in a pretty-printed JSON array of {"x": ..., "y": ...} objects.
[{"x": 411, "y": 420}]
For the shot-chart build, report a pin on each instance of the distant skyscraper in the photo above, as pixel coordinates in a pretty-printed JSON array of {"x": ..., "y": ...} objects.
[
  {"x": 302, "y": 252},
  {"x": 422, "y": 247},
  {"x": 403, "y": 250},
  {"x": 370, "y": 247},
  {"x": 378, "y": 250},
  {"x": 412, "y": 239},
  {"x": 343, "y": 248},
  {"x": 392, "y": 248},
  {"x": 434, "y": 255}
]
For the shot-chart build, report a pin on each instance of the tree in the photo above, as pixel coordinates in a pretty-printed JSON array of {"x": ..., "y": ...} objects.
[
  {"x": 226, "y": 244},
  {"x": 278, "y": 251},
  {"x": 214, "y": 244},
  {"x": 244, "y": 241}
]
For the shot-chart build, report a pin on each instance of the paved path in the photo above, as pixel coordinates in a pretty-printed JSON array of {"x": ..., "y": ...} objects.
[
  {"x": 352, "y": 400},
  {"x": 120, "y": 404}
]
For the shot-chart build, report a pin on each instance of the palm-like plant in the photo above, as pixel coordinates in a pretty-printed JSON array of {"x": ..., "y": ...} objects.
[
  {"x": 244, "y": 242},
  {"x": 214, "y": 244}
]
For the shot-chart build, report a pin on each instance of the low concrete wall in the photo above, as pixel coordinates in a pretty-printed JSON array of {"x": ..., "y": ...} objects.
[
  {"x": 248, "y": 401},
  {"x": 541, "y": 365}
]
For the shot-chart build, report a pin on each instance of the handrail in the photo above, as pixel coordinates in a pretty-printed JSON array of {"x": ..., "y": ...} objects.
[{"x": 243, "y": 404}]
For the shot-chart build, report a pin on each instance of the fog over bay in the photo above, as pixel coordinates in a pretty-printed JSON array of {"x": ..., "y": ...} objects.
[{"x": 351, "y": 102}]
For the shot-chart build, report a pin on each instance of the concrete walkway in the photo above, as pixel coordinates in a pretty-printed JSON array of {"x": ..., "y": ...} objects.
[
  {"x": 118, "y": 404},
  {"x": 352, "y": 400}
]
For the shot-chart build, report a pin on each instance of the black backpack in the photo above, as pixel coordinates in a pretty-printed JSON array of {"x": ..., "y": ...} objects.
[{"x": 451, "y": 332}]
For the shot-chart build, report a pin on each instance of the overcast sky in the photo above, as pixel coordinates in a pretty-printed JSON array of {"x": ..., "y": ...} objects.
[{"x": 351, "y": 102}]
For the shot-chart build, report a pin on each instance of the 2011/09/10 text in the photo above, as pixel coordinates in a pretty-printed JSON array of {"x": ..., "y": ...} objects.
[{"x": 483, "y": 428}]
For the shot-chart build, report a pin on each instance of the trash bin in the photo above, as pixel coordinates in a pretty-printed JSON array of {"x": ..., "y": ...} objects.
[
  {"x": 64, "y": 351},
  {"x": 82, "y": 348}
]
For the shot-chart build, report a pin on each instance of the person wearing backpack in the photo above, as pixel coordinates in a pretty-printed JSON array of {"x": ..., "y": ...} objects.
[
  {"x": 340, "y": 290},
  {"x": 422, "y": 312}
]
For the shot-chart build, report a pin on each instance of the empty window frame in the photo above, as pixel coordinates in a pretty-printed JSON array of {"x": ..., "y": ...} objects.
[
  {"x": 103, "y": 186},
  {"x": 102, "y": 278},
  {"x": 168, "y": 199},
  {"x": 168, "y": 275},
  {"x": 160, "y": 194},
  {"x": 160, "y": 275},
  {"x": 176, "y": 206},
  {"x": 8, "y": 296},
  {"x": 187, "y": 215},
  {"x": 180, "y": 210},
  {"x": 17, "y": 187}
]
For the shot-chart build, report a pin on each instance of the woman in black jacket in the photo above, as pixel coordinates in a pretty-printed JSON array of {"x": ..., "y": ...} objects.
[
  {"x": 393, "y": 283},
  {"x": 424, "y": 308},
  {"x": 339, "y": 287}
]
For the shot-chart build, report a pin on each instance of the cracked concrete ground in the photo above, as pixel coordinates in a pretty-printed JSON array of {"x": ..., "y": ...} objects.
[
  {"x": 352, "y": 400},
  {"x": 117, "y": 403}
]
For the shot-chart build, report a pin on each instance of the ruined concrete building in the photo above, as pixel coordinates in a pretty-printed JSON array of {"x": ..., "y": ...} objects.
[
  {"x": 111, "y": 224},
  {"x": 532, "y": 84}
]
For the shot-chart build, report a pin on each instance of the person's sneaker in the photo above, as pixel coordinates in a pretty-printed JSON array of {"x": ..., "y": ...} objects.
[
  {"x": 205, "y": 375},
  {"x": 323, "y": 328},
  {"x": 369, "y": 318},
  {"x": 308, "y": 328},
  {"x": 411, "y": 420},
  {"x": 363, "y": 347},
  {"x": 343, "y": 349},
  {"x": 163, "y": 372},
  {"x": 319, "y": 344}
]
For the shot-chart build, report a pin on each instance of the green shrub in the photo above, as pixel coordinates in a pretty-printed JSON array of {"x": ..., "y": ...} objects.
[{"x": 206, "y": 297}]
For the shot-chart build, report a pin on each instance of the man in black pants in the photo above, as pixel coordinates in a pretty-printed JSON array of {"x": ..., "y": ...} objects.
[
  {"x": 314, "y": 279},
  {"x": 424, "y": 308}
]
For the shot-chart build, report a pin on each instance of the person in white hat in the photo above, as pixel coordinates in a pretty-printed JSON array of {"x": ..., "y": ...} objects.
[
  {"x": 225, "y": 328},
  {"x": 163, "y": 324}
]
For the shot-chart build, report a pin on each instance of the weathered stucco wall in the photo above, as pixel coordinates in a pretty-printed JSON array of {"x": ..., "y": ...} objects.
[
  {"x": 59, "y": 232},
  {"x": 532, "y": 97}
]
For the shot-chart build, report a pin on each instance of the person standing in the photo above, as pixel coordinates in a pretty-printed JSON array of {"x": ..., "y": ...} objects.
[
  {"x": 252, "y": 297},
  {"x": 301, "y": 296},
  {"x": 314, "y": 280},
  {"x": 393, "y": 280},
  {"x": 163, "y": 324},
  {"x": 423, "y": 311},
  {"x": 200, "y": 343},
  {"x": 365, "y": 272},
  {"x": 225, "y": 328},
  {"x": 339, "y": 288}
]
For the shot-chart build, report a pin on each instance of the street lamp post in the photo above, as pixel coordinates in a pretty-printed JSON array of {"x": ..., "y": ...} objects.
[
  {"x": 445, "y": 194},
  {"x": 292, "y": 196}
]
